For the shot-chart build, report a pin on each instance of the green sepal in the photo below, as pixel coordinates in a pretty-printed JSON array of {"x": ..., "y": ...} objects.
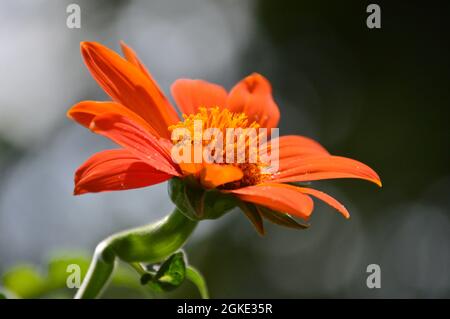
[
  {"x": 254, "y": 216},
  {"x": 198, "y": 203},
  {"x": 282, "y": 219}
]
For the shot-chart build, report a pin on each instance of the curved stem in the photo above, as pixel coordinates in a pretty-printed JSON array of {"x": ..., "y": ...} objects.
[
  {"x": 139, "y": 268},
  {"x": 197, "y": 279},
  {"x": 150, "y": 244}
]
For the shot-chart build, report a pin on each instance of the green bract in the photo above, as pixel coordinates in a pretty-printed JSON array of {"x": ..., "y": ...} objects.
[{"x": 198, "y": 203}]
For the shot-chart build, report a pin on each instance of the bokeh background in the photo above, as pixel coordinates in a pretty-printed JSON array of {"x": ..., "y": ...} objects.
[{"x": 379, "y": 96}]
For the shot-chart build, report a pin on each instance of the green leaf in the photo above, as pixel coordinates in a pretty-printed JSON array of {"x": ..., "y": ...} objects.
[
  {"x": 253, "y": 215},
  {"x": 281, "y": 219},
  {"x": 57, "y": 269},
  {"x": 198, "y": 203},
  {"x": 25, "y": 281},
  {"x": 2, "y": 296},
  {"x": 169, "y": 276}
]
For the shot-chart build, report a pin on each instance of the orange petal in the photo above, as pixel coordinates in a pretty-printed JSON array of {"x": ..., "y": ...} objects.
[
  {"x": 85, "y": 111},
  {"x": 312, "y": 168},
  {"x": 132, "y": 57},
  {"x": 130, "y": 135},
  {"x": 326, "y": 198},
  {"x": 113, "y": 170},
  {"x": 295, "y": 145},
  {"x": 129, "y": 86},
  {"x": 253, "y": 96},
  {"x": 292, "y": 146},
  {"x": 191, "y": 168},
  {"x": 192, "y": 94},
  {"x": 277, "y": 197},
  {"x": 213, "y": 175}
]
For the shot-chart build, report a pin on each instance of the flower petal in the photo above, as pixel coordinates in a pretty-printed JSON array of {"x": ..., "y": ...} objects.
[
  {"x": 253, "y": 96},
  {"x": 312, "y": 168},
  {"x": 113, "y": 170},
  {"x": 85, "y": 111},
  {"x": 289, "y": 147},
  {"x": 129, "y": 86},
  {"x": 192, "y": 94},
  {"x": 131, "y": 56},
  {"x": 191, "y": 168},
  {"x": 130, "y": 135},
  {"x": 326, "y": 198},
  {"x": 277, "y": 197},
  {"x": 213, "y": 175},
  {"x": 295, "y": 145}
]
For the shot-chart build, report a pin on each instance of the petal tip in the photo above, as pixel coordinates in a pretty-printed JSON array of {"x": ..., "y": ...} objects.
[
  {"x": 123, "y": 44},
  {"x": 69, "y": 114},
  {"x": 377, "y": 181},
  {"x": 84, "y": 45},
  {"x": 77, "y": 191}
]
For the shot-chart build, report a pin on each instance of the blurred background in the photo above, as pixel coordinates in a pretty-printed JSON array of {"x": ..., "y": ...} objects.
[{"x": 377, "y": 95}]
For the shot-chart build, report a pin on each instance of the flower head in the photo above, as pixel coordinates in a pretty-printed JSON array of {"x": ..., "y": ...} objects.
[{"x": 142, "y": 121}]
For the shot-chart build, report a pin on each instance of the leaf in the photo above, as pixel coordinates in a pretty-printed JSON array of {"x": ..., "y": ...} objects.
[
  {"x": 198, "y": 203},
  {"x": 169, "y": 276},
  {"x": 25, "y": 281},
  {"x": 254, "y": 216},
  {"x": 57, "y": 269},
  {"x": 282, "y": 219},
  {"x": 7, "y": 294},
  {"x": 146, "y": 278}
]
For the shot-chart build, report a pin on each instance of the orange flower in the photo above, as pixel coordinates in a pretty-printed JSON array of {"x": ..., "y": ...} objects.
[{"x": 140, "y": 119}]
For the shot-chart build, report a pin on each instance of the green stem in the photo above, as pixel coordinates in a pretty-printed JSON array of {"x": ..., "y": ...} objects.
[
  {"x": 139, "y": 268},
  {"x": 150, "y": 244},
  {"x": 197, "y": 279}
]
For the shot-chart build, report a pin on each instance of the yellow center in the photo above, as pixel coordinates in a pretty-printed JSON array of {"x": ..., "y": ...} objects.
[{"x": 242, "y": 142}]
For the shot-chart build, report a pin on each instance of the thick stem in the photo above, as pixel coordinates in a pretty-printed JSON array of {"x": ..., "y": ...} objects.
[{"x": 150, "y": 244}]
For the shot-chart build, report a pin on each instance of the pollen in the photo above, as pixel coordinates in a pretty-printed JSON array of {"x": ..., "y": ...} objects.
[
  {"x": 234, "y": 141},
  {"x": 213, "y": 117}
]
